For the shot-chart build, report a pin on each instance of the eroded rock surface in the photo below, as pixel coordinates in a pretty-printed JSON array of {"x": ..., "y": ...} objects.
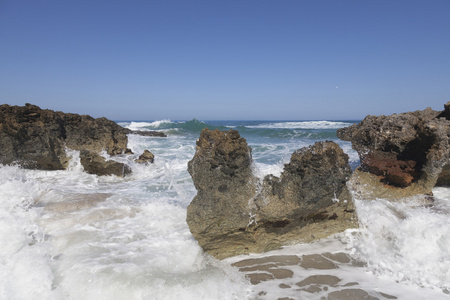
[
  {"x": 408, "y": 153},
  {"x": 235, "y": 213},
  {"x": 94, "y": 163},
  {"x": 37, "y": 138},
  {"x": 145, "y": 158}
]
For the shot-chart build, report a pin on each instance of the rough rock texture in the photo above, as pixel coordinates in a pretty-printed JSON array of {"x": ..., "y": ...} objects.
[
  {"x": 147, "y": 133},
  {"x": 145, "y": 158},
  {"x": 236, "y": 213},
  {"x": 37, "y": 138},
  {"x": 408, "y": 153},
  {"x": 96, "y": 164}
]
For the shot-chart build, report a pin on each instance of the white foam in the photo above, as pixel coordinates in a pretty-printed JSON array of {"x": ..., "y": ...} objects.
[
  {"x": 303, "y": 125},
  {"x": 145, "y": 125},
  {"x": 404, "y": 242},
  {"x": 25, "y": 272}
]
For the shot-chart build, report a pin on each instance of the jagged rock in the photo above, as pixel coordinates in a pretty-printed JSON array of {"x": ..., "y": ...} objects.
[
  {"x": 145, "y": 158},
  {"x": 37, "y": 138},
  {"x": 221, "y": 172},
  {"x": 93, "y": 163},
  {"x": 147, "y": 133},
  {"x": 236, "y": 213},
  {"x": 406, "y": 153}
]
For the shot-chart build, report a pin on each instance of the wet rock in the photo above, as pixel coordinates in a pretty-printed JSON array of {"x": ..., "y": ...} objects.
[
  {"x": 387, "y": 296},
  {"x": 354, "y": 294},
  {"x": 317, "y": 261},
  {"x": 37, "y": 138},
  {"x": 407, "y": 153},
  {"x": 256, "y": 278},
  {"x": 147, "y": 133},
  {"x": 340, "y": 257},
  {"x": 96, "y": 164},
  {"x": 146, "y": 157},
  {"x": 281, "y": 273},
  {"x": 77, "y": 202},
  {"x": 319, "y": 280},
  {"x": 236, "y": 213},
  {"x": 277, "y": 260},
  {"x": 284, "y": 286}
]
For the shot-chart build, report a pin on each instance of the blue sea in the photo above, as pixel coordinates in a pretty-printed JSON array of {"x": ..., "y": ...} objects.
[{"x": 71, "y": 235}]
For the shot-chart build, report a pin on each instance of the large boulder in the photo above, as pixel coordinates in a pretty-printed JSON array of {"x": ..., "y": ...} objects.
[
  {"x": 37, "y": 138},
  {"x": 236, "y": 213},
  {"x": 402, "y": 154}
]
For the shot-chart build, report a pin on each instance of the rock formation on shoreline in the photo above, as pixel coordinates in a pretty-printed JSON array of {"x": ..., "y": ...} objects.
[
  {"x": 147, "y": 133},
  {"x": 37, "y": 138},
  {"x": 236, "y": 213},
  {"x": 145, "y": 158},
  {"x": 401, "y": 155}
]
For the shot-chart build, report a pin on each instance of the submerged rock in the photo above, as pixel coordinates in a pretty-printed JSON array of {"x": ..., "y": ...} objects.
[
  {"x": 37, "y": 138},
  {"x": 402, "y": 154},
  {"x": 145, "y": 158},
  {"x": 236, "y": 213},
  {"x": 94, "y": 163},
  {"x": 148, "y": 133}
]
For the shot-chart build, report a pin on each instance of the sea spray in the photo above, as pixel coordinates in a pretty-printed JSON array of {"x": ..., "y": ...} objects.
[
  {"x": 25, "y": 259},
  {"x": 407, "y": 242}
]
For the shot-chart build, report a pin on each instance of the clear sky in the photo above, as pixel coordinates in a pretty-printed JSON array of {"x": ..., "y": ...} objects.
[{"x": 228, "y": 59}]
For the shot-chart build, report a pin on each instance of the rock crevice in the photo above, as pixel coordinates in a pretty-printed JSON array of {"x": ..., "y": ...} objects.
[{"x": 407, "y": 153}]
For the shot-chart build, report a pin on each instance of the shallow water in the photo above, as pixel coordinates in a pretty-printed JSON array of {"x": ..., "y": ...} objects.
[{"x": 72, "y": 235}]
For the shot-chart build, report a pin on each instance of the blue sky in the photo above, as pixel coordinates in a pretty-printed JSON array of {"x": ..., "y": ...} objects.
[{"x": 233, "y": 59}]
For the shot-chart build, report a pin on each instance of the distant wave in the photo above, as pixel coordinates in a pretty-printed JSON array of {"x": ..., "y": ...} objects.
[
  {"x": 173, "y": 127},
  {"x": 303, "y": 125},
  {"x": 149, "y": 125}
]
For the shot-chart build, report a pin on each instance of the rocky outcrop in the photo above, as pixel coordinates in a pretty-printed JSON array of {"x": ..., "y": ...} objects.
[
  {"x": 94, "y": 163},
  {"x": 402, "y": 154},
  {"x": 145, "y": 158},
  {"x": 147, "y": 133},
  {"x": 37, "y": 138},
  {"x": 236, "y": 213}
]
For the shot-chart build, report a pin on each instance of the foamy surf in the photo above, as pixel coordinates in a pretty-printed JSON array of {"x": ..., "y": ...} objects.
[
  {"x": 303, "y": 125},
  {"x": 72, "y": 235}
]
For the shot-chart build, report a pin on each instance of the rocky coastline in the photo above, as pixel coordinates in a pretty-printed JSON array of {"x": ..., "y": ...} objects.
[
  {"x": 234, "y": 212},
  {"x": 38, "y": 138}
]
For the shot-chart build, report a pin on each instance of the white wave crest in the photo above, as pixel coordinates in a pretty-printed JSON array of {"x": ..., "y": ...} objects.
[
  {"x": 303, "y": 125},
  {"x": 142, "y": 125}
]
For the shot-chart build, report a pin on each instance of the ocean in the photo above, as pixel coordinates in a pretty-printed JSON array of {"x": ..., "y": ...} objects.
[{"x": 72, "y": 235}]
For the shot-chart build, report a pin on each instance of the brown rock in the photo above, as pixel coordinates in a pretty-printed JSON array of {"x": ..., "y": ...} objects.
[
  {"x": 394, "y": 171},
  {"x": 408, "y": 152},
  {"x": 96, "y": 164},
  {"x": 37, "y": 138},
  {"x": 148, "y": 133},
  {"x": 317, "y": 261},
  {"x": 319, "y": 280},
  {"x": 234, "y": 213},
  {"x": 146, "y": 157},
  {"x": 356, "y": 294},
  {"x": 279, "y": 260},
  {"x": 256, "y": 278}
]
